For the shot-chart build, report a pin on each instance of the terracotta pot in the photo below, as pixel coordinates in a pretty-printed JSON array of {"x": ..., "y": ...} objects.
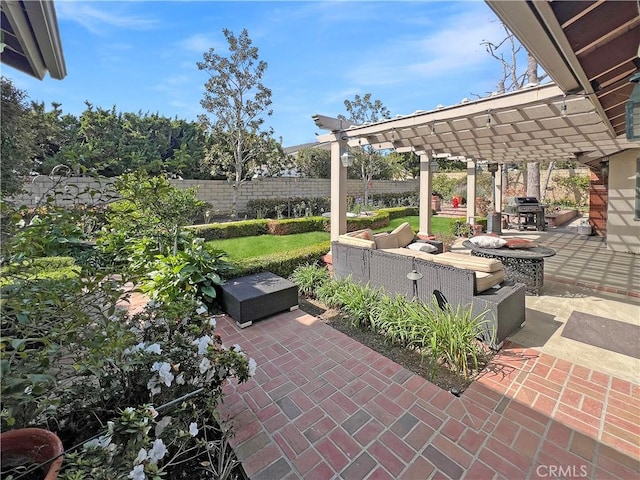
[{"x": 32, "y": 446}]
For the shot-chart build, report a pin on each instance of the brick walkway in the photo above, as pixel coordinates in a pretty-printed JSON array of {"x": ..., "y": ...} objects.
[{"x": 323, "y": 406}]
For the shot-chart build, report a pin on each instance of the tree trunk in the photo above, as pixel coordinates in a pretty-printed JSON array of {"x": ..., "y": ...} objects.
[
  {"x": 533, "y": 179},
  {"x": 546, "y": 182}
]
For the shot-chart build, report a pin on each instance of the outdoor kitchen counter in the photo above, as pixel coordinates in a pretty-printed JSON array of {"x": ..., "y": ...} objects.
[{"x": 522, "y": 265}]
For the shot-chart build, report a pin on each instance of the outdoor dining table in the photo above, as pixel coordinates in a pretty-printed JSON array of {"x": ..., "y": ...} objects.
[{"x": 521, "y": 265}]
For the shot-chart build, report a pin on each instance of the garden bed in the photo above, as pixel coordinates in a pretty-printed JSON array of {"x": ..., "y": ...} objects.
[
  {"x": 560, "y": 217},
  {"x": 409, "y": 359}
]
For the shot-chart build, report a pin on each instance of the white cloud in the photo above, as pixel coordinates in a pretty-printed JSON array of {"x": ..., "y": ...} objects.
[
  {"x": 199, "y": 43},
  {"x": 99, "y": 21}
]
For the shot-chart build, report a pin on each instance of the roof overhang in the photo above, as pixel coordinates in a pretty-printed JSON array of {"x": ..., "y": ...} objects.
[
  {"x": 528, "y": 125},
  {"x": 31, "y": 38},
  {"x": 586, "y": 47}
]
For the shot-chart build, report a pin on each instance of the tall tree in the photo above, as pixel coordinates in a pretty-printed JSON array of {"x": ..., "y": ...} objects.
[
  {"x": 370, "y": 163},
  {"x": 513, "y": 78},
  {"x": 16, "y": 137},
  {"x": 237, "y": 100}
]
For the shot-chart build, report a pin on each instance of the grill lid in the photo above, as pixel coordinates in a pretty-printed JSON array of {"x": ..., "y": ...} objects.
[{"x": 523, "y": 201}]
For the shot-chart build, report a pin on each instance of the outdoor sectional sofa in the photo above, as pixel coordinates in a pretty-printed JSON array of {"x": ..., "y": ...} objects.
[{"x": 458, "y": 279}]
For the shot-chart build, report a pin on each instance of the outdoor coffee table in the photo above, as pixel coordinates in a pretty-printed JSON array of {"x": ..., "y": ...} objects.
[
  {"x": 252, "y": 297},
  {"x": 521, "y": 265}
]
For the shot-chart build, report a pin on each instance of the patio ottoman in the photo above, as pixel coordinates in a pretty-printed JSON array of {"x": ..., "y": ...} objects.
[{"x": 253, "y": 297}]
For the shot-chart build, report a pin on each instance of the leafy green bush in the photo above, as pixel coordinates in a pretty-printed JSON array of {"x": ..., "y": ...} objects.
[
  {"x": 192, "y": 272},
  {"x": 399, "y": 212},
  {"x": 282, "y": 264},
  {"x": 219, "y": 231},
  {"x": 377, "y": 220},
  {"x": 295, "y": 225},
  {"x": 387, "y": 200},
  {"x": 309, "y": 278}
]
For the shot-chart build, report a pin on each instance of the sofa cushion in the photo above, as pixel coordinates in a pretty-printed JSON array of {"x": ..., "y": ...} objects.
[
  {"x": 488, "y": 241},
  {"x": 386, "y": 240},
  {"x": 423, "y": 247},
  {"x": 405, "y": 234},
  {"x": 469, "y": 262},
  {"x": 484, "y": 280},
  {"x": 411, "y": 253},
  {"x": 358, "y": 242}
]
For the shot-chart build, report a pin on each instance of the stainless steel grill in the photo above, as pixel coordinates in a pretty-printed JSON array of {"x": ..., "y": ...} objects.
[{"x": 524, "y": 213}]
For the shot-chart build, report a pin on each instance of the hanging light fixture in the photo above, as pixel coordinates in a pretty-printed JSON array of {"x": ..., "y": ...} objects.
[
  {"x": 632, "y": 114},
  {"x": 563, "y": 109},
  {"x": 347, "y": 158}
]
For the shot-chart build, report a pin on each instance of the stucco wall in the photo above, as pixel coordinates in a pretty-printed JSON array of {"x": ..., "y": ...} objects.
[{"x": 623, "y": 230}]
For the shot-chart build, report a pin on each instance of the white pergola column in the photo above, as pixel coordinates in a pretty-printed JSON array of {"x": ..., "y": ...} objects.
[
  {"x": 471, "y": 192},
  {"x": 498, "y": 190},
  {"x": 426, "y": 181},
  {"x": 338, "y": 191}
]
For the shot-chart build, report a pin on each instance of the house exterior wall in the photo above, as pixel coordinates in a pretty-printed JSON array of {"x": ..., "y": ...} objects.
[{"x": 623, "y": 227}]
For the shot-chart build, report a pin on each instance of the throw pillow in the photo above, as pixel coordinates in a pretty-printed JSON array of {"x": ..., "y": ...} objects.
[
  {"x": 422, "y": 247},
  {"x": 366, "y": 234},
  {"x": 487, "y": 241},
  {"x": 520, "y": 243},
  {"x": 405, "y": 234}
]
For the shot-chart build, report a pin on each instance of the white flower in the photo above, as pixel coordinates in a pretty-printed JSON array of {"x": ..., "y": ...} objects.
[
  {"x": 152, "y": 411},
  {"x": 237, "y": 347},
  {"x": 164, "y": 372},
  {"x": 158, "y": 450},
  {"x": 252, "y": 367},
  {"x": 180, "y": 379},
  {"x": 201, "y": 309},
  {"x": 154, "y": 348},
  {"x": 101, "y": 442},
  {"x": 205, "y": 365},
  {"x": 212, "y": 322},
  {"x": 202, "y": 343},
  {"x": 142, "y": 456},
  {"x": 161, "y": 425},
  {"x": 134, "y": 349},
  {"x": 152, "y": 385},
  {"x": 193, "y": 429},
  {"x": 137, "y": 473}
]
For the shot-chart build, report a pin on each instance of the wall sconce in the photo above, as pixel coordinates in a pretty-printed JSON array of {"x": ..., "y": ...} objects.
[
  {"x": 604, "y": 168},
  {"x": 632, "y": 113},
  {"x": 433, "y": 166},
  {"x": 347, "y": 158}
]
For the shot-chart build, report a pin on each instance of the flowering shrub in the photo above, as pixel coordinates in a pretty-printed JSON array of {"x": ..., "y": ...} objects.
[{"x": 165, "y": 378}]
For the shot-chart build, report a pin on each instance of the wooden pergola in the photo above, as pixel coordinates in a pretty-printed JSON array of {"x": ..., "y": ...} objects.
[{"x": 534, "y": 124}]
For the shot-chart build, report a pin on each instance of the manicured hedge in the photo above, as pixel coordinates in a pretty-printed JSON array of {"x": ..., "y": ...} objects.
[
  {"x": 283, "y": 263},
  {"x": 219, "y": 231},
  {"x": 399, "y": 212},
  {"x": 379, "y": 220},
  {"x": 296, "y": 225}
]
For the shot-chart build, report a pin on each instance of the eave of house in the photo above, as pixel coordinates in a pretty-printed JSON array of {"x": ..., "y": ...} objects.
[{"x": 31, "y": 38}]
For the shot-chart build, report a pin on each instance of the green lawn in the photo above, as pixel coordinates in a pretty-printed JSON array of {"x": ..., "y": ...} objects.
[{"x": 247, "y": 247}]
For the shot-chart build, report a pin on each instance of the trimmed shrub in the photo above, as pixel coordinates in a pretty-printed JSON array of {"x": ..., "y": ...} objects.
[
  {"x": 400, "y": 212},
  {"x": 283, "y": 263},
  {"x": 295, "y": 225},
  {"x": 219, "y": 231}
]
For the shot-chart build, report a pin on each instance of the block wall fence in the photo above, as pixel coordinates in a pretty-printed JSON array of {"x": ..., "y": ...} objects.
[{"x": 219, "y": 193}]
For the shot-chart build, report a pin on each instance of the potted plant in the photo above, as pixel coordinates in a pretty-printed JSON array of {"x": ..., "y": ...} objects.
[{"x": 30, "y": 450}]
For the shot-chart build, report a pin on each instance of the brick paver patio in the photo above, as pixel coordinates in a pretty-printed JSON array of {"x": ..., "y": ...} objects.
[{"x": 322, "y": 406}]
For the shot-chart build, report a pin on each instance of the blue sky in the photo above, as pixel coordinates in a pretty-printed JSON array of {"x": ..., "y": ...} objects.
[{"x": 141, "y": 56}]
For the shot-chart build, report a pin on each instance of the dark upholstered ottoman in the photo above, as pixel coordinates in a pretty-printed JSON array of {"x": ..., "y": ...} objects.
[{"x": 257, "y": 296}]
